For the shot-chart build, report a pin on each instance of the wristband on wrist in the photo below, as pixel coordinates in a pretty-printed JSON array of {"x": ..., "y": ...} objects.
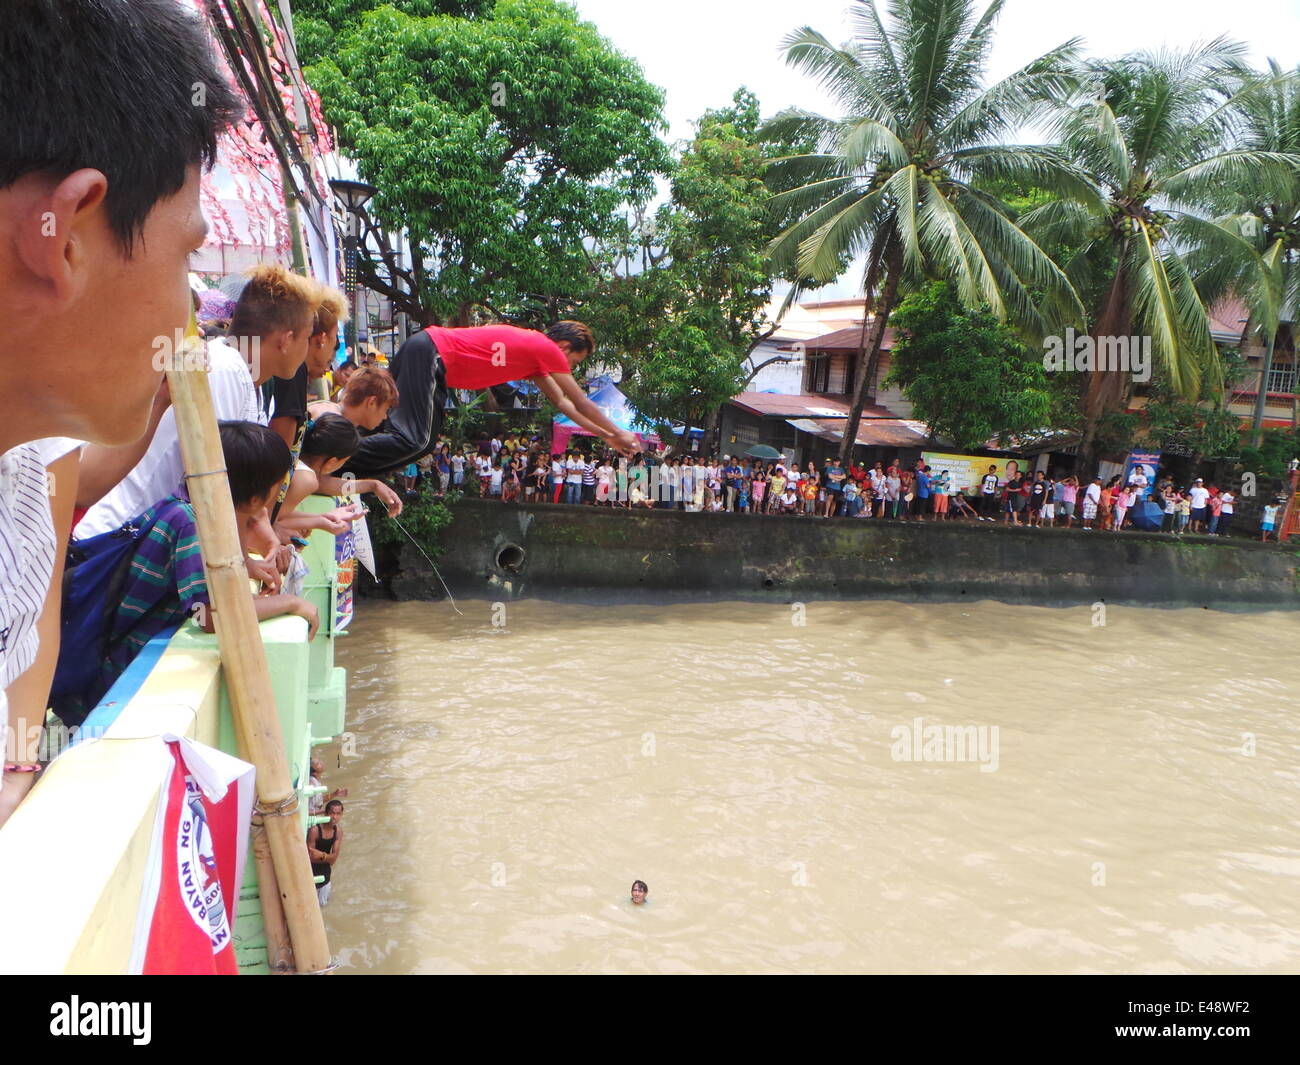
[{"x": 22, "y": 767}]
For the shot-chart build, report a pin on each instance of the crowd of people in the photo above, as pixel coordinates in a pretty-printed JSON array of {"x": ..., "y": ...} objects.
[
  {"x": 518, "y": 468},
  {"x": 100, "y": 210}
]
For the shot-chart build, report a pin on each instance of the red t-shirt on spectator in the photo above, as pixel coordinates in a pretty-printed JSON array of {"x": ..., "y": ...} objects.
[{"x": 486, "y": 355}]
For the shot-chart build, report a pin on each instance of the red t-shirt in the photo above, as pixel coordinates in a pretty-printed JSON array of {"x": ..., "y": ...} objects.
[{"x": 486, "y": 355}]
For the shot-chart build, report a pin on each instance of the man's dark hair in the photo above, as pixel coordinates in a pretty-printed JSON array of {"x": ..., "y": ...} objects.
[
  {"x": 578, "y": 335},
  {"x": 256, "y": 459},
  {"x": 129, "y": 89},
  {"x": 329, "y": 806}
]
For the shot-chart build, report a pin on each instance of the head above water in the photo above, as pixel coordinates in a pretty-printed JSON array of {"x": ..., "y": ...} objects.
[
  {"x": 99, "y": 205},
  {"x": 639, "y": 892}
]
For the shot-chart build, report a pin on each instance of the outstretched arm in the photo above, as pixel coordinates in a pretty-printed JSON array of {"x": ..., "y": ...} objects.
[{"x": 562, "y": 390}]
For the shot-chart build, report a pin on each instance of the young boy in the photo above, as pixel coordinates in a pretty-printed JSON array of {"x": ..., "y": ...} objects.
[
  {"x": 167, "y": 583},
  {"x": 1268, "y": 523},
  {"x": 851, "y": 490},
  {"x": 808, "y": 490}
]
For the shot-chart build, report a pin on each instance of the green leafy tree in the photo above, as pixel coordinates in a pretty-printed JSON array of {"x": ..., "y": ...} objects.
[
  {"x": 1157, "y": 131},
  {"x": 318, "y": 23},
  {"x": 1272, "y": 457},
  {"x": 1254, "y": 253},
  {"x": 967, "y": 375},
  {"x": 898, "y": 177},
  {"x": 682, "y": 302},
  {"x": 1200, "y": 427},
  {"x": 502, "y": 168}
]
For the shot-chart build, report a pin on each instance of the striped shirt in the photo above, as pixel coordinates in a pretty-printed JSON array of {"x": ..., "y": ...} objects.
[
  {"x": 28, "y": 548},
  {"x": 164, "y": 586}
]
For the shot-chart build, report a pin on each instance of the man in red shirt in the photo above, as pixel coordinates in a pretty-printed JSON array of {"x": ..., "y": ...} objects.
[{"x": 436, "y": 359}]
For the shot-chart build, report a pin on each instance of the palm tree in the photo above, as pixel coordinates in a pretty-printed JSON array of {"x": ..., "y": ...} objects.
[
  {"x": 1161, "y": 134},
  {"x": 897, "y": 179},
  {"x": 1257, "y": 256}
]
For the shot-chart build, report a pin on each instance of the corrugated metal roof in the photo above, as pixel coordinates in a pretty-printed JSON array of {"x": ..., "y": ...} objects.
[
  {"x": 872, "y": 432},
  {"x": 845, "y": 340},
  {"x": 803, "y": 406}
]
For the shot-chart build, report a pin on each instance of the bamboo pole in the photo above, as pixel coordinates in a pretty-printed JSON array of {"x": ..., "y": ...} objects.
[
  {"x": 243, "y": 657},
  {"x": 279, "y": 951}
]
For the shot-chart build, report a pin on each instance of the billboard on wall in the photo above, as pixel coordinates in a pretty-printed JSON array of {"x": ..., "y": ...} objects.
[
  {"x": 1149, "y": 461},
  {"x": 966, "y": 471}
]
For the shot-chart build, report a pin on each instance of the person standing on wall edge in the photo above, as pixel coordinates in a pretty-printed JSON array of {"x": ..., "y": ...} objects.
[{"x": 436, "y": 359}]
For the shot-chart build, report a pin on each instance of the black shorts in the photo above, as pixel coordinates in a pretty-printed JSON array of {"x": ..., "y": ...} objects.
[{"x": 411, "y": 431}]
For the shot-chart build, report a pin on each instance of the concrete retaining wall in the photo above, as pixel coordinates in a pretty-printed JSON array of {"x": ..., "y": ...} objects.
[{"x": 594, "y": 554}]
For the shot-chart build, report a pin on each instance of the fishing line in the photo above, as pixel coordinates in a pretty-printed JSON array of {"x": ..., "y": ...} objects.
[{"x": 427, "y": 559}]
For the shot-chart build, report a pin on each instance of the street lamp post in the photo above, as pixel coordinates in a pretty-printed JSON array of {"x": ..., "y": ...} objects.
[{"x": 353, "y": 196}]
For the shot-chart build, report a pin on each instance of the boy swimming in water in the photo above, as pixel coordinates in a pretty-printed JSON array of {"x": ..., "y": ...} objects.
[{"x": 639, "y": 892}]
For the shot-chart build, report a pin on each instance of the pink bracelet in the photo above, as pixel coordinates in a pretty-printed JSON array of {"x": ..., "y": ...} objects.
[{"x": 22, "y": 767}]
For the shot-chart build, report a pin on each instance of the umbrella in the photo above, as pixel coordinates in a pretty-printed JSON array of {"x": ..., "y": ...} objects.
[{"x": 763, "y": 451}]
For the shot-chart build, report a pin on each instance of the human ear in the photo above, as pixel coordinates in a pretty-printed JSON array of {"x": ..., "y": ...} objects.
[{"x": 60, "y": 230}]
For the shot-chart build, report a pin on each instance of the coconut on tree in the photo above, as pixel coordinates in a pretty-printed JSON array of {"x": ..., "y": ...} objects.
[{"x": 897, "y": 179}]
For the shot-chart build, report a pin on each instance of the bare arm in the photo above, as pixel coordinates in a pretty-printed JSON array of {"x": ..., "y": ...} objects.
[
  {"x": 313, "y": 834},
  {"x": 286, "y": 427},
  {"x": 274, "y": 606},
  {"x": 302, "y": 484},
  {"x": 562, "y": 390},
  {"x": 339, "y": 486}
]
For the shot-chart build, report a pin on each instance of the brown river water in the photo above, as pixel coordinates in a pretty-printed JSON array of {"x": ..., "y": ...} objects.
[{"x": 1107, "y": 797}]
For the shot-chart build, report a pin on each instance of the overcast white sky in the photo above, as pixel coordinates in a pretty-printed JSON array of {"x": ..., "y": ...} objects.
[{"x": 701, "y": 51}]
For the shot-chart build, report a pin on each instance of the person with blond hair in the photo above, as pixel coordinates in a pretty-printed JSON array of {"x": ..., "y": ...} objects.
[
  {"x": 324, "y": 342},
  {"x": 289, "y": 411}
]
